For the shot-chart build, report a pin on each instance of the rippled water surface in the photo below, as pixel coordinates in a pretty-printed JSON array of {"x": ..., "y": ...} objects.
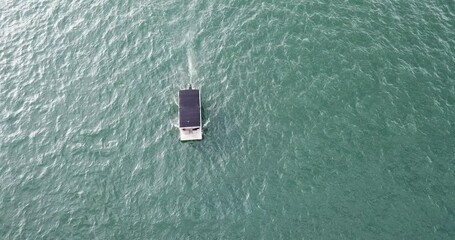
[{"x": 322, "y": 120}]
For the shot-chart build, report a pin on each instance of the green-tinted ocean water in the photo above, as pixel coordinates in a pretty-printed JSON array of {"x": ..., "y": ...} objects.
[{"x": 322, "y": 119}]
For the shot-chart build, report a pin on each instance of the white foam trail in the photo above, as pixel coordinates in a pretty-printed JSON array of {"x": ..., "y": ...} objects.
[{"x": 191, "y": 69}]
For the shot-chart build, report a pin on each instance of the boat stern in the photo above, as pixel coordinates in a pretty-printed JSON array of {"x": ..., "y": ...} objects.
[{"x": 188, "y": 134}]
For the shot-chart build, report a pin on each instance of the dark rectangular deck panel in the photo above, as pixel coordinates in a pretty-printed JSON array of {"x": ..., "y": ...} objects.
[{"x": 189, "y": 108}]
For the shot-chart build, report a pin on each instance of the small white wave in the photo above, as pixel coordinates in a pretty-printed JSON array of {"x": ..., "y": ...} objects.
[
  {"x": 206, "y": 123},
  {"x": 175, "y": 122}
]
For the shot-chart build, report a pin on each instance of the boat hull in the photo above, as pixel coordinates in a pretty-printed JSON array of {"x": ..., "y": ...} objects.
[{"x": 190, "y": 117}]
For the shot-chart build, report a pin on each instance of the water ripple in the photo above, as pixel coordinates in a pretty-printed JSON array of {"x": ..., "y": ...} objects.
[{"x": 318, "y": 117}]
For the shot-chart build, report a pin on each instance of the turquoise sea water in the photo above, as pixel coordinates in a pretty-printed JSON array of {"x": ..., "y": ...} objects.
[{"x": 323, "y": 120}]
